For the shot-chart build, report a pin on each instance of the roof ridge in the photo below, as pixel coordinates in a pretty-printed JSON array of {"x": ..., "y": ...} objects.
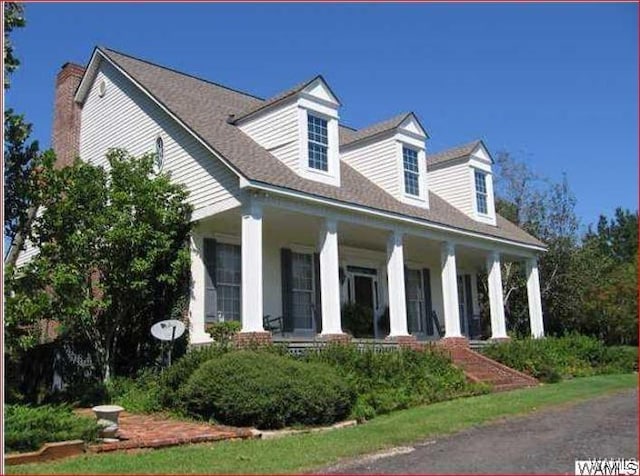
[
  {"x": 459, "y": 146},
  {"x": 182, "y": 73}
]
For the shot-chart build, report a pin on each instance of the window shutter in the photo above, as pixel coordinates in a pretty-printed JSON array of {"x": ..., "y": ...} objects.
[
  {"x": 210, "y": 293},
  {"x": 426, "y": 289},
  {"x": 406, "y": 301},
  {"x": 287, "y": 295},
  {"x": 318, "y": 293},
  {"x": 469, "y": 304}
]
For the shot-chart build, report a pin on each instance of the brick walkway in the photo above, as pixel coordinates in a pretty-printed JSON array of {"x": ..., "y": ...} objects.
[{"x": 151, "y": 431}]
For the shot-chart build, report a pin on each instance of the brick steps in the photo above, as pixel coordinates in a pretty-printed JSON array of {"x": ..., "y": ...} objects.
[{"x": 479, "y": 368}]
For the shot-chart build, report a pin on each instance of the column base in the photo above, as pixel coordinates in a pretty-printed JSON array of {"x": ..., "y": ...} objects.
[
  {"x": 407, "y": 342},
  {"x": 252, "y": 339},
  {"x": 454, "y": 342},
  {"x": 335, "y": 338}
]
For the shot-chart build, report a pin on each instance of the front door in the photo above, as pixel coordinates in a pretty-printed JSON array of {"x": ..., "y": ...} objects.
[
  {"x": 363, "y": 291},
  {"x": 462, "y": 306}
]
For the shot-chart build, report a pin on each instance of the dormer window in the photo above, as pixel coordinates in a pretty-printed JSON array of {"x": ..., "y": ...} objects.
[
  {"x": 481, "y": 192},
  {"x": 411, "y": 171},
  {"x": 318, "y": 143}
]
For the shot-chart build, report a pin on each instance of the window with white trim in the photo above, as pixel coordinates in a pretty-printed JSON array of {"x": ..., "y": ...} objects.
[
  {"x": 158, "y": 159},
  {"x": 302, "y": 288},
  {"x": 228, "y": 281},
  {"x": 318, "y": 140},
  {"x": 481, "y": 192},
  {"x": 411, "y": 171},
  {"x": 415, "y": 299}
]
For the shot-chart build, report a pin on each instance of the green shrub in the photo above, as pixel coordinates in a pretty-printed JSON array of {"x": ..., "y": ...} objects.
[
  {"x": 553, "y": 358},
  {"x": 139, "y": 395},
  {"x": 393, "y": 380},
  {"x": 28, "y": 428},
  {"x": 173, "y": 378},
  {"x": 357, "y": 320},
  {"x": 222, "y": 332},
  {"x": 621, "y": 359},
  {"x": 265, "y": 390}
]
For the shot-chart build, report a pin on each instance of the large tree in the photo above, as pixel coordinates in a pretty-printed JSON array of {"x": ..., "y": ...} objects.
[
  {"x": 113, "y": 258},
  {"x": 545, "y": 209},
  {"x": 23, "y": 162},
  {"x": 606, "y": 268}
]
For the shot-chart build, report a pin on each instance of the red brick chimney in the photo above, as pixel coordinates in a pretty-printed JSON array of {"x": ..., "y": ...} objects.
[{"x": 66, "y": 115}]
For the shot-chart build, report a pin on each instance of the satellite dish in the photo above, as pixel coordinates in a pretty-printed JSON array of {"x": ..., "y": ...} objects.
[{"x": 168, "y": 330}]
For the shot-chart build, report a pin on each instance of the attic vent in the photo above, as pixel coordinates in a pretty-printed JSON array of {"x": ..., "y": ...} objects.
[
  {"x": 231, "y": 118},
  {"x": 102, "y": 88}
]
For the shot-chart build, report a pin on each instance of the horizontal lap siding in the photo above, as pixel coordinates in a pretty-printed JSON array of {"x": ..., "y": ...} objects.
[
  {"x": 277, "y": 131},
  {"x": 453, "y": 185},
  {"x": 126, "y": 118},
  {"x": 378, "y": 162}
]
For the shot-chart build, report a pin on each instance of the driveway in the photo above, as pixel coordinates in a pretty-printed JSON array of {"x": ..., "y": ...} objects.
[{"x": 545, "y": 442}]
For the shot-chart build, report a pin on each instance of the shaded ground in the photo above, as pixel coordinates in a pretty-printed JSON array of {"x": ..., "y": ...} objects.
[{"x": 545, "y": 442}]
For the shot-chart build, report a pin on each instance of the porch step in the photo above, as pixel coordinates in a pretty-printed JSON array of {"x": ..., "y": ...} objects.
[{"x": 479, "y": 368}]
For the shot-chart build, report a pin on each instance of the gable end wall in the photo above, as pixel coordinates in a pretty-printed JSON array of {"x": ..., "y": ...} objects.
[{"x": 126, "y": 118}]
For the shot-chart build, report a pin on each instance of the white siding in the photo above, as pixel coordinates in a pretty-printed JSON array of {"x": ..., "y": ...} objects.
[
  {"x": 278, "y": 132},
  {"x": 126, "y": 118},
  {"x": 452, "y": 183},
  {"x": 378, "y": 161}
]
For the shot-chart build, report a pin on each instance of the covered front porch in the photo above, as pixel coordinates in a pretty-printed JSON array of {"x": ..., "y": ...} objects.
[{"x": 305, "y": 273}]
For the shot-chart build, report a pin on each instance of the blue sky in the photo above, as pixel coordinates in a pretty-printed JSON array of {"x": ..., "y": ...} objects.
[{"x": 555, "y": 84}]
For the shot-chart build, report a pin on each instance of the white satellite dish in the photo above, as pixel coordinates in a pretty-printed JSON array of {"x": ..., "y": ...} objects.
[{"x": 168, "y": 330}]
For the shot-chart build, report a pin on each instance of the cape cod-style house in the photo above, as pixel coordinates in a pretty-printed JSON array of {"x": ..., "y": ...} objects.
[{"x": 297, "y": 214}]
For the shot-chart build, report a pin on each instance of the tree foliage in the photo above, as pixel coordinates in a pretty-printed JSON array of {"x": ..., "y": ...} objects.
[
  {"x": 588, "y": 283},
  {"x": 113, "y": 258},
  {"x": 13, "y": 18}
]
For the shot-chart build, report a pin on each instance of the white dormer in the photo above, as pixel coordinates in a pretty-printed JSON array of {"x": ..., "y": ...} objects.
[
  {"x": 463, "y": 177},
  {"x": 300, "y": 127},
  {"x": 392, "y": 155}
]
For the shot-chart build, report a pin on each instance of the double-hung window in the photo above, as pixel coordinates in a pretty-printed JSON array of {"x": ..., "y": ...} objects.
[
  {"x": 318, "y": 140},
  {"x": 411, "y": 171},
  {"x": 228, "y": 279},
  {"x": 481, "y": 192},
  {"x": 302, "y": 289}
]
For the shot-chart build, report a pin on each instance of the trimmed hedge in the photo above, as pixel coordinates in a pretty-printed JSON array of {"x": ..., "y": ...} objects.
[
  {"x": 266, "y": 390},
  {"x": 394, "y": 380},
  {"x": 553, "y": 358},
  {"x": 28, "y": 428}
]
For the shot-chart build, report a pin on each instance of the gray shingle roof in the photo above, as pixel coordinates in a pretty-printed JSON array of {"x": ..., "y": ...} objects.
[
  {"x": 275, "y": 99},
  {"x": 375, "y": 129},
  {"x": 204, "y": 107},
  {"x": 452, "y": 154}
]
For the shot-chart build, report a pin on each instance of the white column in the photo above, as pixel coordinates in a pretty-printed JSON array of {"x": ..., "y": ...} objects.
[
  {"x": 252, "y": 268},
  {"x": 395, "y": 277},
  {"x": 197, "y": 332},
  {"x": 330, "y": 278},
  {"x": 450, "y": 290},
  {"x": 535, "y": 301},
  {"x": 496, "y": 302}
]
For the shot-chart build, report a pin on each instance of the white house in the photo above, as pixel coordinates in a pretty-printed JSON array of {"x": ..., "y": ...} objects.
[{"x": 297, "y": 214}]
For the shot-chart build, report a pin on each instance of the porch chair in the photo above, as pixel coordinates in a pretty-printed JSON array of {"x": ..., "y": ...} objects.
[{"x": 273, "y": 324}]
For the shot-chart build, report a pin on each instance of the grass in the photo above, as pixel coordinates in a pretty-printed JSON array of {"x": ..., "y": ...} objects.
[{"x": 308, "y": 451}]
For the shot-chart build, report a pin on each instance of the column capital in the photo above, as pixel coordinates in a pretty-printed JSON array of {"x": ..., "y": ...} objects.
[
  {"x": 252, "y": 208},
  {"x": 448, "y": 247}
]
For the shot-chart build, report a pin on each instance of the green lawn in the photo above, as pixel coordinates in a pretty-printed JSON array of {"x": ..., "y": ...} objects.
[{"x": 304, "y": 452}]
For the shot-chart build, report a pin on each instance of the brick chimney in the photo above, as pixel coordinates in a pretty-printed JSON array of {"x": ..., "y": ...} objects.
[{"x": 66, "y": 115}]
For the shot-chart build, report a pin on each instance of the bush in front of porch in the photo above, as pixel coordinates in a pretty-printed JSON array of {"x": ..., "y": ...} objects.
[
  {"x": 266, "y": 390},
  {"x": 554, "y": 358},
  {"x": 395, "y": 379}
]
